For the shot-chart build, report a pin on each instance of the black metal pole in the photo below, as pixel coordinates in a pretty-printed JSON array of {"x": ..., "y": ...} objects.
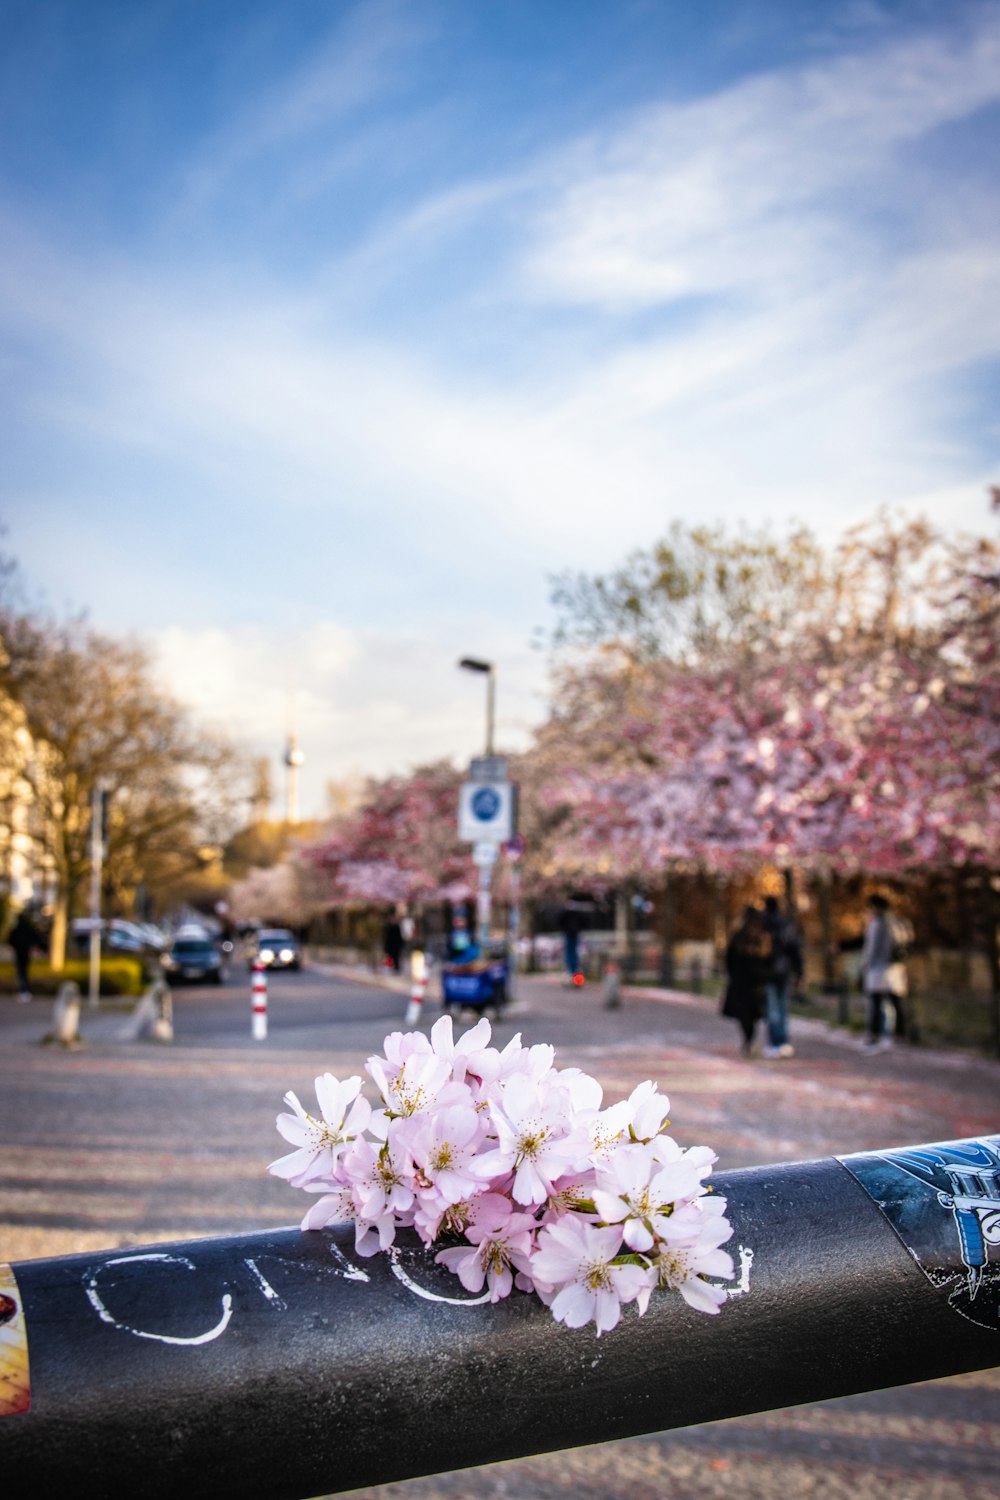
[{"x": 279, "y": 1365}]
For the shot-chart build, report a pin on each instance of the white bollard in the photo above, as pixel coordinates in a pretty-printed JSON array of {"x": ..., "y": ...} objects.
[
  {"x": 162, "y": 1029},
  {"x": 418, "y": 989},
  {"x": 259, "y": 1029},
  {"x": 66, "y": 1017}
]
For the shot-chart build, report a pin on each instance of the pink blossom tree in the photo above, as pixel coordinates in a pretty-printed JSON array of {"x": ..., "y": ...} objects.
[{"x": 401, "y": 844}]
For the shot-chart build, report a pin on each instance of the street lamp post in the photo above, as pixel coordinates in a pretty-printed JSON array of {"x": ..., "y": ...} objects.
[
  {"x": 475, "y": 664},
  {"x": 98, "y": 841},
  {"x": 484, "y": 905}
]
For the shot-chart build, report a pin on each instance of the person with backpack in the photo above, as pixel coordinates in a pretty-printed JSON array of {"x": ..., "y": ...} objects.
[
  {"x": 784, "y": 973},
  {"x": 883, "y": 974}
]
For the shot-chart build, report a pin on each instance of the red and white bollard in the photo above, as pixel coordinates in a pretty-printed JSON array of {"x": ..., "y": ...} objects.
[
  {"x": 259, "y": 1024},
  {"x": 418, "y": 972}
]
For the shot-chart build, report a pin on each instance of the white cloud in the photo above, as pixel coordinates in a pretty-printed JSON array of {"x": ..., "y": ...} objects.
[
  {"x": 738, "y": 308},
  {"x": 741, "y": 190}
]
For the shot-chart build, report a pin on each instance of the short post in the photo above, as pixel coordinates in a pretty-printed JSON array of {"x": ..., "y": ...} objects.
[
  {"x": 611, "y": 992},
  {"x": 666, "y": 975},
  {"x": 66, "y": 1017},
  {"x": 162, "y": 1029},
  {"x": 153, "y": 1016},
  {"x": 418, "y": 988},
  {"x": 259, "y": 1024}
]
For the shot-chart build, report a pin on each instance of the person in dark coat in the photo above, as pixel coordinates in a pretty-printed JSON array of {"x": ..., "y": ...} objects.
[
  {"x": 748, "y": 958},
  {"x": 23, "y": 938},
  {"x": 785, "y": 973},
  {"x": 572, "y": 921},
  {"x": 392, "y": 940},
  {"x": 883, "y": 972}
]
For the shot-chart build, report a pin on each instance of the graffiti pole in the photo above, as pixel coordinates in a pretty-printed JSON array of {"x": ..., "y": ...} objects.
[{"x": 281, "y": 1365}]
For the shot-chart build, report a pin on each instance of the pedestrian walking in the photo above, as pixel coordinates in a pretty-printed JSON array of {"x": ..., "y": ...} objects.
[
  {"x": 883, "y": 973},
  {"x": 462, "y": 947},
  {"x": 23, "y": 938},
  {"x": 784, "y": 974},
  {"x": 572, "y": 921},
  {"x": 392, "y": 940},
  {"x": 748, "y": 957}
]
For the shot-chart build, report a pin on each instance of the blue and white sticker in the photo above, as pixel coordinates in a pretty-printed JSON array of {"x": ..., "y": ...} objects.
[{"x": 943, "y": 1201}]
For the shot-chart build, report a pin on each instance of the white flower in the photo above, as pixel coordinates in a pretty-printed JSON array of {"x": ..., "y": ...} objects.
[
  {"x": 683, "y": 1268},
  {"x": 536, "y": 1139},
  {"x": 499, "y": 1240},
  {"x": 637, "y": 1190},
  {"x": 574, "y": 1260},
  {"x": 441, "y": 1145},
  {"x": 648, "y": 1110},
  {"x": 381, "y": 1179},
  {"x": 321, "y": 1142},
  {"x": 414, "y": 1085},
  {"x": 466, "y": 1054}
]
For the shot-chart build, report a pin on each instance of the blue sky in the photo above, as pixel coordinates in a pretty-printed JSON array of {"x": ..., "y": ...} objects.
[{"x": 329, "y": 331}]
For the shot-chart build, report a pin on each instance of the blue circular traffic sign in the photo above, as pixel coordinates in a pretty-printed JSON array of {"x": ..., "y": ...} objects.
[{"x": 485, "y": 804}]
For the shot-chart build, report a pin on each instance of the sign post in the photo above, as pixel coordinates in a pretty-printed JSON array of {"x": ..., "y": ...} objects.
[
  {"x": 487, "y": 815},
  {"x": 513, "y": 851},
  {"x": 98, "y": 841}
]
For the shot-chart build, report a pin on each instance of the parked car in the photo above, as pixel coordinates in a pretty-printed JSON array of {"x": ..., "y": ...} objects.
[
  {"x": 154, "y": 936},
  {"x": 117, "y": 936},
  {"x": 192, "y": 957},
  {"x": 277, "y": 948}
]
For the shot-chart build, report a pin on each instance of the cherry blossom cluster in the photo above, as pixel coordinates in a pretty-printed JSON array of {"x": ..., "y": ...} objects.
[{"x": 514, "y": 1164}]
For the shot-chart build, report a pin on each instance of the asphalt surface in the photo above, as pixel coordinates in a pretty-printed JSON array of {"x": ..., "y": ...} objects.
[{"x": 124, "y": 1142}]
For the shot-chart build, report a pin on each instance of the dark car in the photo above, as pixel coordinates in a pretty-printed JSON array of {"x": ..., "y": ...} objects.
[
  {"x": 191, "y": 958},
  {"x": 277, "y": 948}
]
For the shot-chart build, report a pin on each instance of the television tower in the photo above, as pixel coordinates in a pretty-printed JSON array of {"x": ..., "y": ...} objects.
[{"x": 293, "y": 760}]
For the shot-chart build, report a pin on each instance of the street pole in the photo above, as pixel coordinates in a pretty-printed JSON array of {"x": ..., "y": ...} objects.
[
  {"x": 484, "y": 911},
  {"x": 476, "y": 664},
  {"x": 490, "y": 707},
  {"x": 96, "y": 867},
  {"x": 514, "y": 926},
  {"x": 484, "y": 901},
  {"x": 264, "y": 1364}
]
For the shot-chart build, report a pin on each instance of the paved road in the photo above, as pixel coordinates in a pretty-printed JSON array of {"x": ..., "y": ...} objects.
[{"x": 123, "y": 1143}]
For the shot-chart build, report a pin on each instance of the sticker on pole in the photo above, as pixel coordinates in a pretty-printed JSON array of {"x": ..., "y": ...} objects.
[
  {"x": 15, "y": 1387},
  {"x": 944, "y": 1204}
]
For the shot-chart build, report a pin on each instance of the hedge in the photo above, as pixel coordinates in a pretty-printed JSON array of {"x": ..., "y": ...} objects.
[{"x": 119, "y": 976}]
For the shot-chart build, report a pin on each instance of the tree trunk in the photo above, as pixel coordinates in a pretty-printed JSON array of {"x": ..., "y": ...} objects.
[
  {"x": 720, "y": 926},
  {"x": 60, "y": 928},
  {"x": 667, "y": 931},
  {"x": 825, "y": 888},
  {"x": 791, "y": 906},
  {"x": 622, "y": 909},
  {"x": 988, "y": 898}
]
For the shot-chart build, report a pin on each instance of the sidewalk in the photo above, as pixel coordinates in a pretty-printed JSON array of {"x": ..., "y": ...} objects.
[{"x": 831, "y": 1098}]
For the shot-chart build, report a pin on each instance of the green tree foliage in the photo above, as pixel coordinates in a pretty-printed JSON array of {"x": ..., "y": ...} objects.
[{"x": 698, "y": 593}]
